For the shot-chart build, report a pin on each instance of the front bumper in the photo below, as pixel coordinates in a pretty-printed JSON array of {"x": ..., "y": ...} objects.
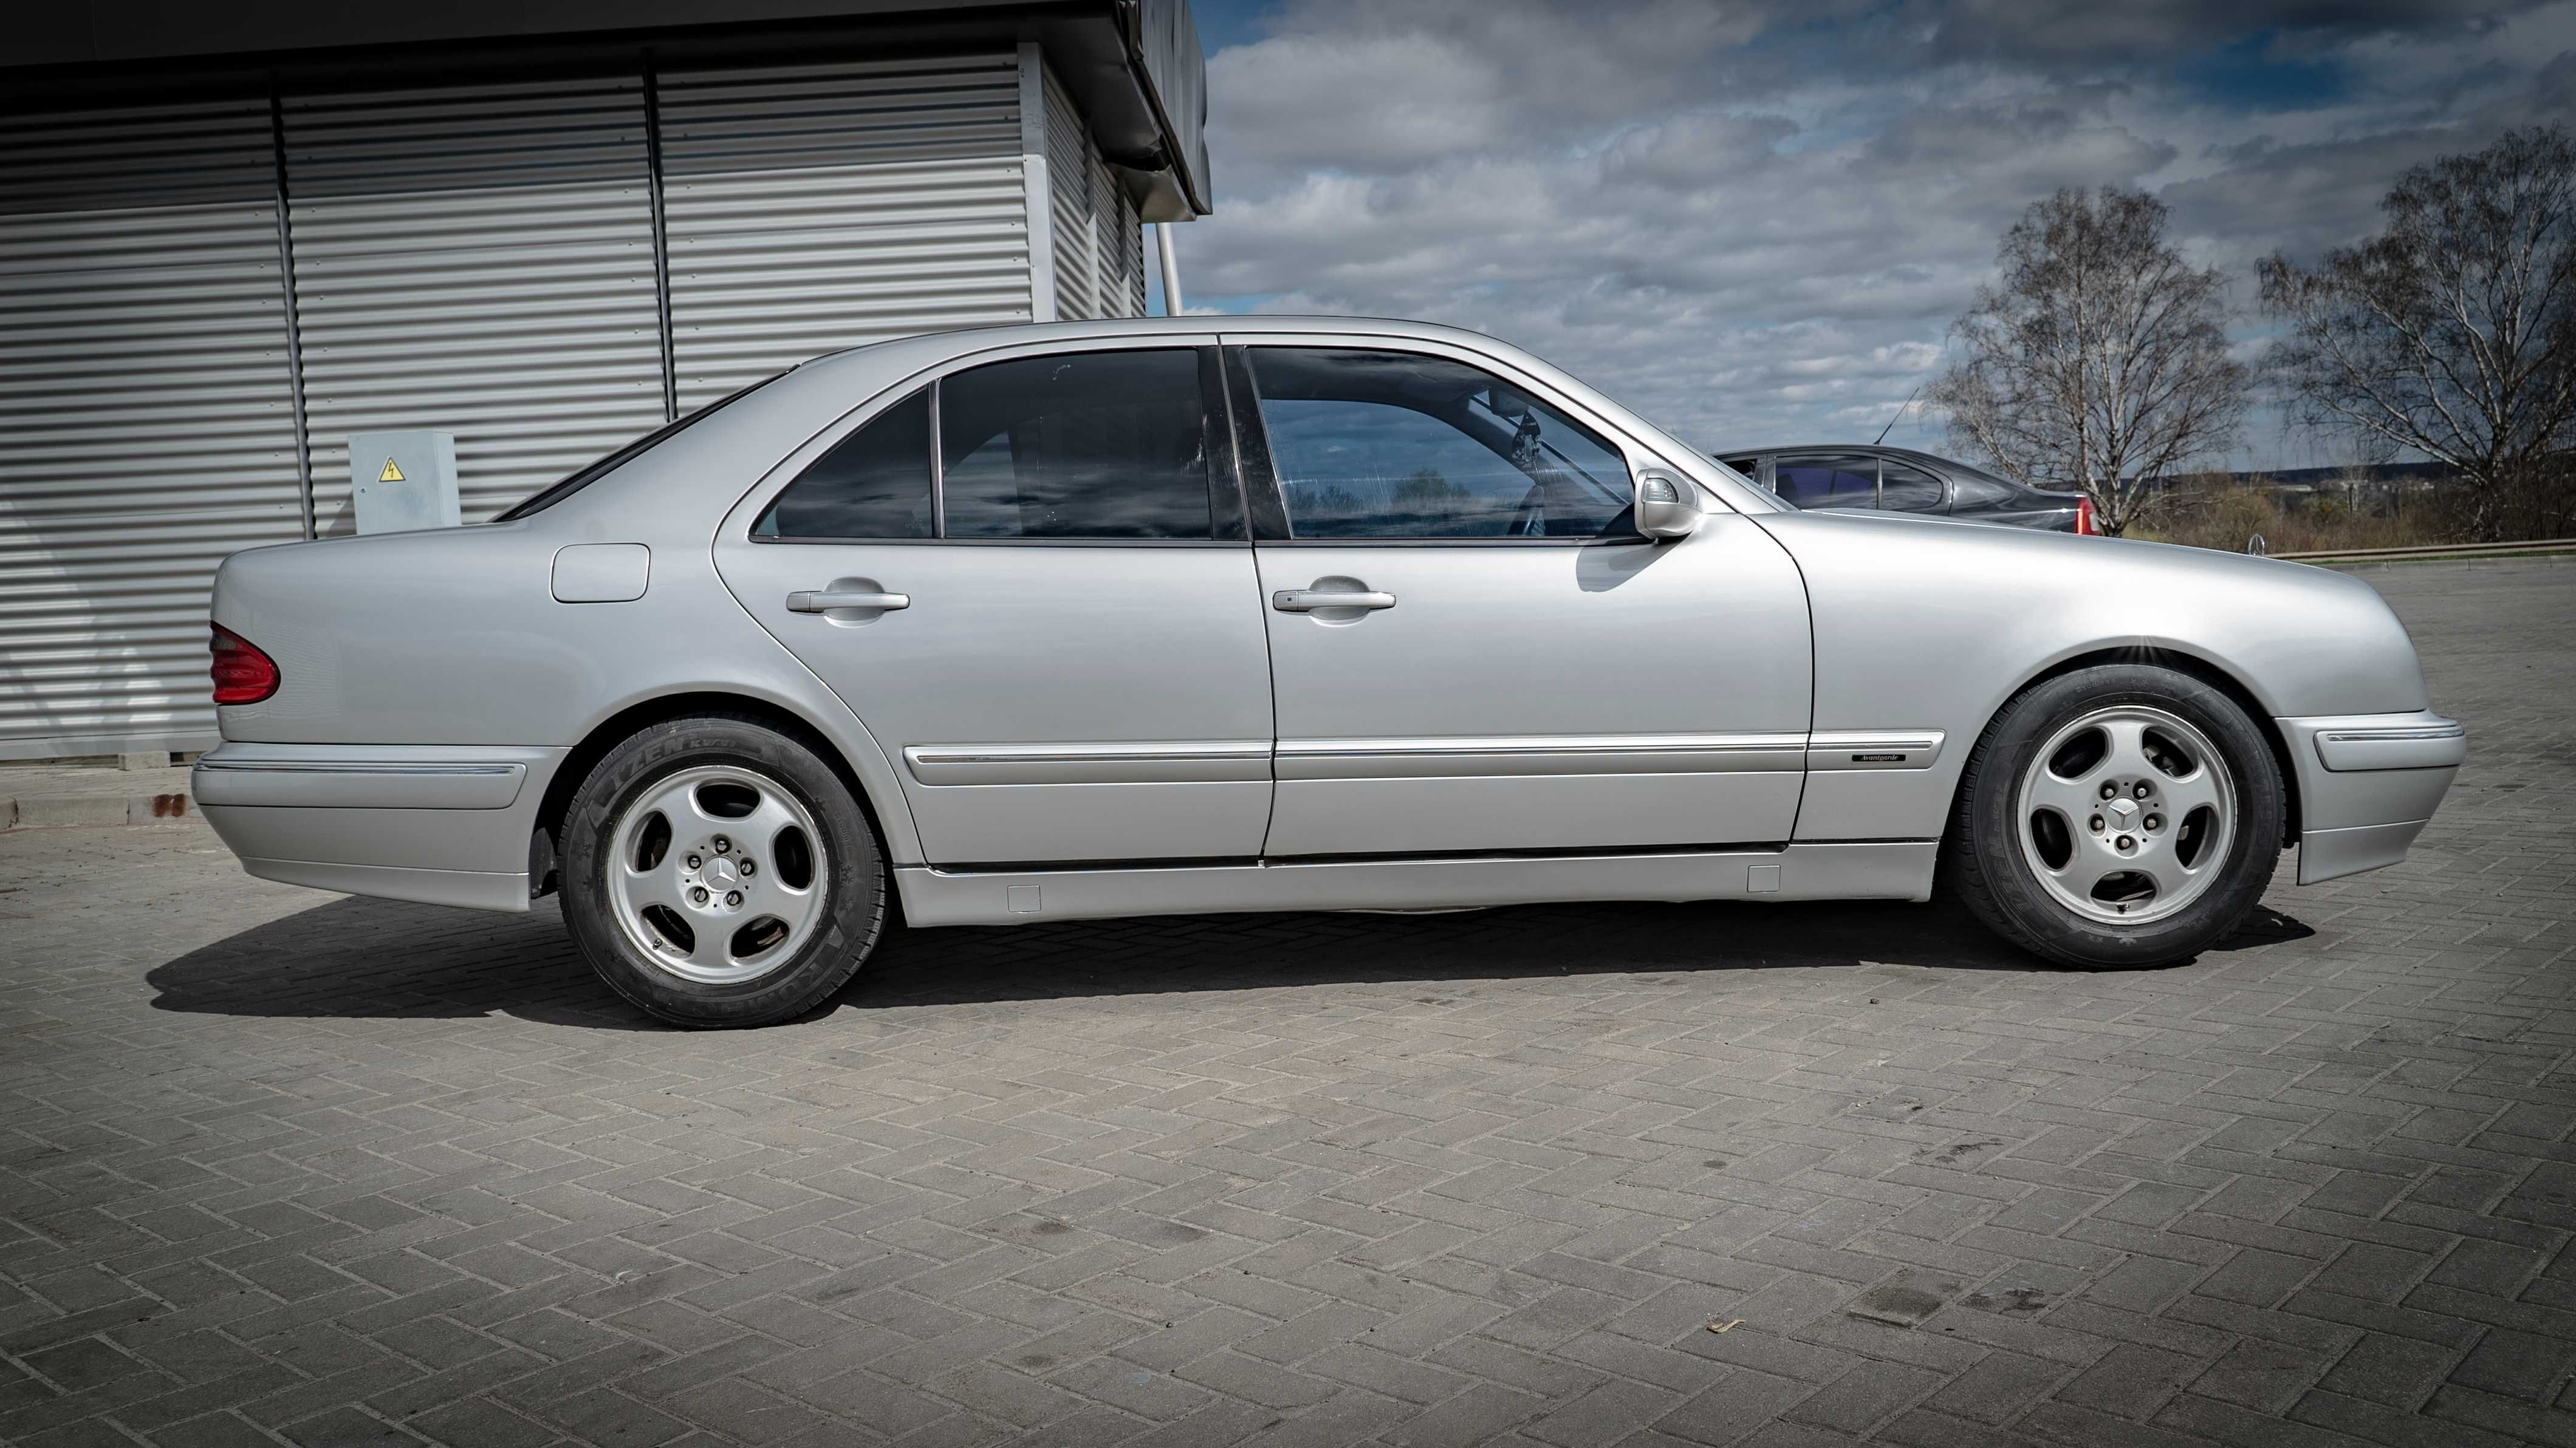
[
  {"x": 445, "y": 825},
  {"x": 2368, "y": 784}
]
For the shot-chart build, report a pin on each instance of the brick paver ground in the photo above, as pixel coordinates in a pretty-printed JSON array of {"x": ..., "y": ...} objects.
[{"x": 278, "y": 1166}]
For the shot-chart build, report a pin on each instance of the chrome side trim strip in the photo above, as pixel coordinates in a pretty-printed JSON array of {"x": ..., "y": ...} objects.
[
  {"x": 1874, "y": 748},
  {"x": 324, "y": 766},
  {"x": 1159, "y": 761},
  {"x": 1424, "y": 757},
  {"x": 1485, "y": 756},
  {"x": 2411, "y": 741},
  {"x": 356, "y": 783}
]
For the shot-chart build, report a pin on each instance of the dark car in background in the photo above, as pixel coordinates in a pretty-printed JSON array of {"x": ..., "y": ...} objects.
[{"x": 1901, "y": 480}]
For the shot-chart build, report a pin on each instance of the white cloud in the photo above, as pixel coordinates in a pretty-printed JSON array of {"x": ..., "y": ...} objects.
[{"x": 1756, "y": 223}]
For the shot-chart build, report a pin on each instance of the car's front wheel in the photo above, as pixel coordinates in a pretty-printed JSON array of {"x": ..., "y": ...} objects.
[
  {"x": 2117, "y": 817},
  {"x": 718, "y": 873}
]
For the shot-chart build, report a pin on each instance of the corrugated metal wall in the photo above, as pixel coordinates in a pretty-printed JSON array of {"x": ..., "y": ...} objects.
[
  {"x": 146, "y": 422},
  {"x": 1073, "y": 170},
  {"x": 480, "y": 262},
  {"x": 1123, "y": 250},
  {"x": 1099, "y": 238},
  {"x": 810, "y": 210}
]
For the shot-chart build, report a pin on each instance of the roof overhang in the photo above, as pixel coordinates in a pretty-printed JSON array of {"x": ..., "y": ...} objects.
[{"x": 1134, "y": 67}]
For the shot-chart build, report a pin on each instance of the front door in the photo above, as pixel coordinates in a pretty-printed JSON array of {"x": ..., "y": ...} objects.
[
  {"x": 1472, "y": 650},
  {"x": 1050, "y": 620}
]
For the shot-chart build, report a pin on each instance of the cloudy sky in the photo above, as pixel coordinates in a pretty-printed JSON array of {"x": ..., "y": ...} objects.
[{"x": 1755, "y": 221}]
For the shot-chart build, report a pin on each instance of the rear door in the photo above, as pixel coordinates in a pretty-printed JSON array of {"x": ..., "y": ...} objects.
[
  {"x": 1472, "y": 648},
  {"x": 1050, "y": 620}
]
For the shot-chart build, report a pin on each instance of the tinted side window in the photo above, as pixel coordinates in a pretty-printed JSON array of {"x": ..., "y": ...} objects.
[
  {"x": 875, "y": 483},
  {"x": 1373, "y": 444},
  {"x": 1826, "y": 480},
  {"x": 1751, "y": 467},
  {"x": 1906, "y": 489},
  {"x": 1078, "y": 445},
  {"x": 1977, "y": 492}
]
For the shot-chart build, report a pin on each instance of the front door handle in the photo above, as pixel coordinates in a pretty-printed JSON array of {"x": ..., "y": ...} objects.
[
  {"x": 816, "y": 600},
  {"x": 1307, "y": 600}
]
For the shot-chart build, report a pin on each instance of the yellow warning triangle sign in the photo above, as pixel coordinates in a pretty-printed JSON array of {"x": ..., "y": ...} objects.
[{"x": 391, "y": 474}]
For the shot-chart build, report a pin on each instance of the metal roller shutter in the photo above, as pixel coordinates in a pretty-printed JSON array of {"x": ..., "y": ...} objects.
[
  {"x": 147, "y": 412},
  {"x": 815, "y": 208},
  {"x": 478, "y": 261}
]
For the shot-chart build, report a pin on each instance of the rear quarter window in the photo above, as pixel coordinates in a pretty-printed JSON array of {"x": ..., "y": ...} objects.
[{"x": 556, "y": 492}]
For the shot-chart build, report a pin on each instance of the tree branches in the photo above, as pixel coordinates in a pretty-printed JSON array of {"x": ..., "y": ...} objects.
[
  {"x": 2454, "y": 331},
  {"x": 2100, "y": 360}
]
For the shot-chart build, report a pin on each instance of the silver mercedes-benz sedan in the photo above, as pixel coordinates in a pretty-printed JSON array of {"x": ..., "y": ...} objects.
[{"x": 1190, "y": 614}]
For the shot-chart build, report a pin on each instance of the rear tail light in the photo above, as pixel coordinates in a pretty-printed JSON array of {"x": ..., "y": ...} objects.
[
  {"x": 2084, "y": 523},
  {"x": 243, "y": 675}
]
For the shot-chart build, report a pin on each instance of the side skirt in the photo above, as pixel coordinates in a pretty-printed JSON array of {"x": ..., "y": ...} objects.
[{"x": 1872, "y": 870}]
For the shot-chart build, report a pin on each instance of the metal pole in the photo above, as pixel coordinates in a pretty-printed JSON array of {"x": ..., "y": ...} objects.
[
  {"x": 661, "y": 236},
  {"x": 1171, "y": 269},
  {"x": 294, "y": 332}
]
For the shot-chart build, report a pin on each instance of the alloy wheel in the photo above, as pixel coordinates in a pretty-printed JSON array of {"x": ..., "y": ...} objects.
[
  {"x": 716, "y": 873},
  {"x": 2126, "y": 814}
]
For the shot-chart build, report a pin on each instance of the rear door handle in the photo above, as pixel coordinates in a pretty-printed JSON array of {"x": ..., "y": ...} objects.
[
  {"x": 816, "y": 600},
  {"x": 1307, "y": 600}
]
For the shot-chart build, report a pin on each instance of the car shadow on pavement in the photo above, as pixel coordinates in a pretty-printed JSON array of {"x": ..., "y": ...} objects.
[{"x": 365, "y": 958}]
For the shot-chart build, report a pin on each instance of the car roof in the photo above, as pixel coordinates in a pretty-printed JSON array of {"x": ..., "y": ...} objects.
[
  {"x": 930, "y": 349},
  {"x": 1847, "y": 447},
  {"x": 801, "y": 402}
]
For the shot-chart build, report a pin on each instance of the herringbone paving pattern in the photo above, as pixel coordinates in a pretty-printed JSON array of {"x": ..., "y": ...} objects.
[{"x": 277, "y": 1167}]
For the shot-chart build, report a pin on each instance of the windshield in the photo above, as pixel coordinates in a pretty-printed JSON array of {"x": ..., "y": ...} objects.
[{"x": 557, "y": 492}]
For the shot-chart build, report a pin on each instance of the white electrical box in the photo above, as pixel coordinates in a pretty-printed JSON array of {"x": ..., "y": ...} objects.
[{"x": 401, "y": 482}]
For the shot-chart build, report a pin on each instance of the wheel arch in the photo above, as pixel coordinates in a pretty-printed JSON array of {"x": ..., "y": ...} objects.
[
  {"x": 546, "y": 834},
  {"x": 2181, "y": 661}
]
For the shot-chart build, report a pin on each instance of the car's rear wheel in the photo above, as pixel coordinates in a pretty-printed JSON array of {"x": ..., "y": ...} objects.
[
  {"x": 718, "y": 873},
  {"x": 2117, "y": 817}
]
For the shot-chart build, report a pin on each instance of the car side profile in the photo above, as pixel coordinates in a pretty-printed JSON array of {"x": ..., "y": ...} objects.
[
  {"x": 1902, "y": 480},
  {"x": 1171, "y": 615}
]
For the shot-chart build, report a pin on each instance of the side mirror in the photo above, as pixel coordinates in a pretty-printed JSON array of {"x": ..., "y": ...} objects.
[{"x": 1666, "y": 506}]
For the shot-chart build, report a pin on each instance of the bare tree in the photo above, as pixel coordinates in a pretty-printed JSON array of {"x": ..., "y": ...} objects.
[
  {"x": 2100, "y": 360},
  {"x": 2454, "y": 331}
]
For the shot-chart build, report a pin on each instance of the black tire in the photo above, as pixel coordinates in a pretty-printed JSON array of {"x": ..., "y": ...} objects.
[
  {"x": 1984, "y": 859},
  {"x": 852, "y": 911}
]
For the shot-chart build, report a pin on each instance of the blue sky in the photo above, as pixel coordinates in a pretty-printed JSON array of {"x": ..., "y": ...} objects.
[{"x": 1755, "y": 221}]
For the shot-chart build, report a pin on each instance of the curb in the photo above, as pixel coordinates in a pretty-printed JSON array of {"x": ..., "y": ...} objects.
[
  {"x": 2346, "y": 561},
  {"x": 43, "y": 811}
]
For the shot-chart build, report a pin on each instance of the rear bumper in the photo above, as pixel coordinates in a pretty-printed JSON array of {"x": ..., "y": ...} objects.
[
  {"x": 2368, "y": 784},
  {"x": 445, "y": 825}
]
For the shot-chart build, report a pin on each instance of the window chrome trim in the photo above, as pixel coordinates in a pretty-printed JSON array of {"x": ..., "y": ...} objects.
[
  {"x": 745, "y": 513},
  {"x": 1634, "y": 455}
]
